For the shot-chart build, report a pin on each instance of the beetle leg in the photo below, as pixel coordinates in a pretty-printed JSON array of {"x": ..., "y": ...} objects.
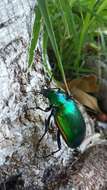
[
  {"x": 47, "y": 122},
  {"x": 45, "y": 110},
  {"x": 46, "y": 129},
  {"x": 33, "y": 108},
  {"x": 58, "y": 140},
  {"x": 59, "y": 145}
]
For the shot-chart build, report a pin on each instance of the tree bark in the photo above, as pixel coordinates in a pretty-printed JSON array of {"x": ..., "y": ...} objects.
[{"x": 21, "y": 125}]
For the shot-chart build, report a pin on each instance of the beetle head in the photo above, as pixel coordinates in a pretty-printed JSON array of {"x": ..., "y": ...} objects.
[{"x": 45, "y": 92}]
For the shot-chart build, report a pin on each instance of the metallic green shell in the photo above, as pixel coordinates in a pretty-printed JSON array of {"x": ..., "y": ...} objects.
[{"x": 68, "y": 118}]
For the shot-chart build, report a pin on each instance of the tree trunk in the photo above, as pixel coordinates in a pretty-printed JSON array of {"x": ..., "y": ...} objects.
[{"x": 22, "y": 166}]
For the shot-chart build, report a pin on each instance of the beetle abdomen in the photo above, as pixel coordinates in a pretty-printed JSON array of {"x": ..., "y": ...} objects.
[{"x": 71, "y": 124}]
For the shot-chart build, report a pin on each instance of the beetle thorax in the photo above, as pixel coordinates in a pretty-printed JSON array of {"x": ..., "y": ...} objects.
[{"x": 56, "y": 98}]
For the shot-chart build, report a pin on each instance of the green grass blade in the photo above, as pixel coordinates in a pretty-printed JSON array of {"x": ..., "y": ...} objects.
[
  {"x": 44, "y": 45},
  {"x": 102, "y": 6},
  {"x": 68, "y": 17},
  {"x": 43, "y": 5},
  {"x": 104, "y": 46},
  {"x": 35, "y": 35},
  {"x": 84, "y": 33},
  {"x": 46, "y": 18}
]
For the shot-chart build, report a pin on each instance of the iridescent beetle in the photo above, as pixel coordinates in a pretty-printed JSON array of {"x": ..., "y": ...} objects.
[{"x": 67, "y": 117}]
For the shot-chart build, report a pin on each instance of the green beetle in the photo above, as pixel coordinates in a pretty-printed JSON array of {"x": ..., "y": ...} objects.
[{"x": 67, "y": 117}]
